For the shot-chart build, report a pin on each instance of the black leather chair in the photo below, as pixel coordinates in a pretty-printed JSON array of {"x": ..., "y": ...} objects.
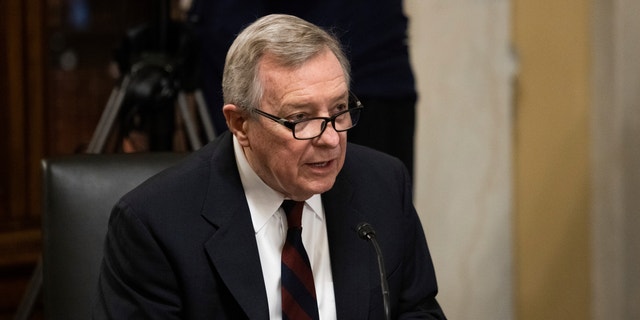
[{"x": 79, "y": 192}]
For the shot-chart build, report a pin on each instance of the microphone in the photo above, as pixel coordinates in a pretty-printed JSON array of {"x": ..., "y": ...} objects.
[{"x": 366, "y": 232}]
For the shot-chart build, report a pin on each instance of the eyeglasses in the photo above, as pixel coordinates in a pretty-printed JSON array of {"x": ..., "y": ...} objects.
[{"x": 310, "y": 128}]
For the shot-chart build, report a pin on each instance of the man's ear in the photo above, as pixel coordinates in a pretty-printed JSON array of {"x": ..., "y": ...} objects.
[{"x": 236, "y": 121}]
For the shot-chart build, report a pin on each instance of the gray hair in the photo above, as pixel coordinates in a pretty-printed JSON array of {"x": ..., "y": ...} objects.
[{"x": 291, "y": 40}]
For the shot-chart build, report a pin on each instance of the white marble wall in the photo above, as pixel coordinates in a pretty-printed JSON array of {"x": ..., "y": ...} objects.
[
  {"x": 615, "y": 128},
  {"x": 464, "y": 68}
]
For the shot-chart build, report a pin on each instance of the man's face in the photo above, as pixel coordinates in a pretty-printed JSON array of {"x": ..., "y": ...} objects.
[{"x": 298, "y": 168}]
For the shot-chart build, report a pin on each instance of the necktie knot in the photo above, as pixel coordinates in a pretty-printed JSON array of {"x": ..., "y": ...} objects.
[{"x": 293, "y": 210}]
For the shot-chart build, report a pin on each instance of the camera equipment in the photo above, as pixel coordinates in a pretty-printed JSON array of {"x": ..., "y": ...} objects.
[{"x": 159, "y": 63}]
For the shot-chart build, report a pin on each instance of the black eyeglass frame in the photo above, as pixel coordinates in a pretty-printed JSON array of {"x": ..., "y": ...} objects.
[{"x": 353, "y": 100}]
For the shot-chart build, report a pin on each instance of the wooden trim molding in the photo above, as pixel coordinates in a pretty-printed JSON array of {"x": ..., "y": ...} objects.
[{"x": 20, "y": 248}]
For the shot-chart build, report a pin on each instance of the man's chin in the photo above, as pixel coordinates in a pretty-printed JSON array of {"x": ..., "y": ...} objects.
[{"x": 323, "y": 187}]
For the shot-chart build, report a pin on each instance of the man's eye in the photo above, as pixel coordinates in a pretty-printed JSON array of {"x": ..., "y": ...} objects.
[
  {"x": 341, "y": 107},
  {"x": 297, "y": 117}
]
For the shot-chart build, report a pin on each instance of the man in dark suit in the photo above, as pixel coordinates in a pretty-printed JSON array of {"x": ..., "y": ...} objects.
[{"x": 203, "y": 240}]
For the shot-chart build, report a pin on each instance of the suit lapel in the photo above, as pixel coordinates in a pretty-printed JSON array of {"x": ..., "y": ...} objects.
[
  {"x": 349, "y": 268},
  {"x": 232, "y": 249}
]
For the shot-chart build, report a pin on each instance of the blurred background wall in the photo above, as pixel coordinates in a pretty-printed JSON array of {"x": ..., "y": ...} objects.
[
  {"x": 528, "y": 158},
  {"x": 465, "y": 69}
]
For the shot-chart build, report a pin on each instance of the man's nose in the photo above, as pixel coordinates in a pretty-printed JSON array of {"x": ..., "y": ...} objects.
[{"x": 329, "y": 136}]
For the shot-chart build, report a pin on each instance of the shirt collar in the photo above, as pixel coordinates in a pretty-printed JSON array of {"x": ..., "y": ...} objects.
[{"x": 263, "y": 201}]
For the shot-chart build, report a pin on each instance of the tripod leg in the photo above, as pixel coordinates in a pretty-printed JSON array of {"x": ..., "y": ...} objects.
[
  {"x": 101, "y": 124},
  {"x": 25, "y": 309},
  {"x": 108, "y": 118},
  {"x": 189, "y": 123},
  {"x": 204, "y": 115}
]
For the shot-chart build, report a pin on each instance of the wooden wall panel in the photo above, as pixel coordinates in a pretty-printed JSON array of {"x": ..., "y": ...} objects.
[
  {"x": 22, "y": 81},
  {"x": 23, "y": 105},
  {"x": 48, "y": 108}
]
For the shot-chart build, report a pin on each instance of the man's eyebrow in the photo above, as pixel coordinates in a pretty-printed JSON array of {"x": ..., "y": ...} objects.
[
  {"x": 296, "y": 106},
  {"x": 307, "y": 103}
]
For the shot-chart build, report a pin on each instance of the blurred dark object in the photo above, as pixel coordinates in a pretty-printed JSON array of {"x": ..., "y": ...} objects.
[
  {"x": 158, "y": 64},
  {"x": 161, "y": 60}
]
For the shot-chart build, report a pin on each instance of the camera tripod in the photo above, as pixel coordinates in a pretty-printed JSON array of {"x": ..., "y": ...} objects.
[{"x": 114, "y": 108}]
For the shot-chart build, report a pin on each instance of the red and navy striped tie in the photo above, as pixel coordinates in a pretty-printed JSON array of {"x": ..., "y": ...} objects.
[{"x": 298, "y": 291}]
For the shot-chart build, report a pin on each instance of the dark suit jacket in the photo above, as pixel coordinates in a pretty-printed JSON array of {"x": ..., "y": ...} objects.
[{"x": 182, "y": 245}]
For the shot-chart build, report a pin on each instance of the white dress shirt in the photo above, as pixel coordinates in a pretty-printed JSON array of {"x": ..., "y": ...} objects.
[{"x": 270, "y": 226}]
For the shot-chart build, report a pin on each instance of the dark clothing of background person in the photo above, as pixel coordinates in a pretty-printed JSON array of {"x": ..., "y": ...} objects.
[{"x": 374, "y": 34}]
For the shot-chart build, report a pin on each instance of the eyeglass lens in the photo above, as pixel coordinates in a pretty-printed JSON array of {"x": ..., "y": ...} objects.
[{"x": 314, "y": 127}]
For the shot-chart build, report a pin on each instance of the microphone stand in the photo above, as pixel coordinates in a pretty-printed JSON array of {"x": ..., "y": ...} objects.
[{"x": 366, "y": 232}]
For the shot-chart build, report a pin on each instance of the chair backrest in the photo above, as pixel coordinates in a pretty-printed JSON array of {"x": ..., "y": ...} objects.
[{"x": 79, "y": 193}]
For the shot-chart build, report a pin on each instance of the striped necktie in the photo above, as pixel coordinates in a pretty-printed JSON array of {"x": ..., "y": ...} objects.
[{"x": 298, "y": 291}]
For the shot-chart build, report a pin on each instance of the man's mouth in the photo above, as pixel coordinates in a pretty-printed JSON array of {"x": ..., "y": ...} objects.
[{"x": 320, "y": 164}]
